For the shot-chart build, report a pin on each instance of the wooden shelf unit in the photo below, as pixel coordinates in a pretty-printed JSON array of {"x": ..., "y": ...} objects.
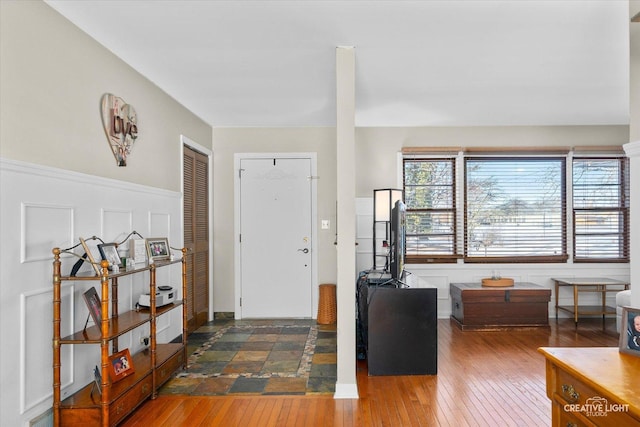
[{"x": 153, "y": 366}]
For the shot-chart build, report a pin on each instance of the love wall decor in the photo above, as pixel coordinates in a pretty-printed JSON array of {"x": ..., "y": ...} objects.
[{"x": 120, "y": 124}]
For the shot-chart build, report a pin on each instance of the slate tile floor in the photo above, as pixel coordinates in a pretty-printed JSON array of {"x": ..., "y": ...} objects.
[{"x": 258, "y": 357}]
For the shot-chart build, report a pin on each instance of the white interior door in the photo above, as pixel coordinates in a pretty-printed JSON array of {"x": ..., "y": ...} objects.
[{"x": 275, "y": 238}]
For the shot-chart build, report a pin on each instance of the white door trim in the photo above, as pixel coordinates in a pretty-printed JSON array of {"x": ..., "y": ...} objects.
[
  {"x": 197, "y": 147},
  {"x": 236, "y": 223}
]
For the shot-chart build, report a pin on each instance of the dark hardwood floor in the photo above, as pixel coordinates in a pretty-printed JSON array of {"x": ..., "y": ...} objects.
[{"x": 493, "y": 378}]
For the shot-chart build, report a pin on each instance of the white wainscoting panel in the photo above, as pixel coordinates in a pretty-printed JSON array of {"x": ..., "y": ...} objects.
[
  {"x": 45, "y": 207},
  {"x": 37, "y": 238},
  {"x": 116, "y": 224},
  {"x": 160, "y": 225}
]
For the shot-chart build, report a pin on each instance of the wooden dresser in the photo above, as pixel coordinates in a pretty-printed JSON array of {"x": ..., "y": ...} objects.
[{"x": 595, "y": 386}]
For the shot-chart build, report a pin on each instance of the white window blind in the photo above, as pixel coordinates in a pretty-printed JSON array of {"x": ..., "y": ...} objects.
[
  {"x": 429, "y": 189},
  {"x": 601, "y": 209},
  {"x": 515, "y": 209}
]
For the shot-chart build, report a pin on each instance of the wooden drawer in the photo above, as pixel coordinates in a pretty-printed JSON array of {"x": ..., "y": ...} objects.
[
  {"x": 164, "y": 371},
  {"x": 506, "y": 313},
  {"x": 568, "y": 419},
  {"x": 581, "y": 401},
  {"x": 505, "y": 295},
  {"x": 80, "y": 417},
  {"x": 126, "y": 403}
]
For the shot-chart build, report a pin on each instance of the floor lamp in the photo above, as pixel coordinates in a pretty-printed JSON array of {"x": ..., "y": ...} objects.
[{"x": 383, "y": 201}]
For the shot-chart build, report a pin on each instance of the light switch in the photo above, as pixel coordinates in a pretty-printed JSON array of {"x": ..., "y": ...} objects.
[{"x": 325, "y": 224}]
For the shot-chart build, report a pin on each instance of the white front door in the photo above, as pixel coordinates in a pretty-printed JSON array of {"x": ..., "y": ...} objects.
[{"x": 275, "y": 237}]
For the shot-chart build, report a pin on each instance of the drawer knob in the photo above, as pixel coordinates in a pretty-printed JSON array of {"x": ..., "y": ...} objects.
[
  {"x": 570, "y": 393},
  {"x": 570, "y": 424}
]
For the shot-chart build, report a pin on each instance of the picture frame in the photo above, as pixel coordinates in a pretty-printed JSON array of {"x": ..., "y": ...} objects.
[
  {"x": 92, "y": 260},
  {"x": 158, "y": 249},
  {"x": 109, "y": 251},
  {"x": 630, "y": 331},
  {"x": 120, "y": 365},
  {"x": 138, "y": 250},
  {"x": 97, "y": 378},
  {"x": 94, "y": 304}
]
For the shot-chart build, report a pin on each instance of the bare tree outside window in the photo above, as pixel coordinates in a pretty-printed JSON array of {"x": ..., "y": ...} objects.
[
  {"x": 514, "y": 209},
  {"x": 429, "y": 186}
]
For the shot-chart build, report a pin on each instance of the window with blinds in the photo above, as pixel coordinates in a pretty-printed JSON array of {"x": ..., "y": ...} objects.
[
  {"x": 515, "y": 209},
  {"x": 429, "y": 190},
  {"x": 601, "y": 209}
]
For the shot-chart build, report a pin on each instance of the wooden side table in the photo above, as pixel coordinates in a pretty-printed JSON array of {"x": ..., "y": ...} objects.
[{"x": 600, "y": 285}]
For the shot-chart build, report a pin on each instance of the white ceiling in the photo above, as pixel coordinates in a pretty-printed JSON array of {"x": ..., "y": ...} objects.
[{"x": 418, "y": 63}]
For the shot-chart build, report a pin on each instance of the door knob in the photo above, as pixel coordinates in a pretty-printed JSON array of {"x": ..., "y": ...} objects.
[{"x": 305, "y": 250}]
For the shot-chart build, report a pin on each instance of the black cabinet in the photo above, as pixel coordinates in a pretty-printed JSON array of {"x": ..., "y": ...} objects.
[{"x": 399, "y": 329}]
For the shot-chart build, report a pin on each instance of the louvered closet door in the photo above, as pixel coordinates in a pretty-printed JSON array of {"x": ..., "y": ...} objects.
[{"x": 196, "y": 236}]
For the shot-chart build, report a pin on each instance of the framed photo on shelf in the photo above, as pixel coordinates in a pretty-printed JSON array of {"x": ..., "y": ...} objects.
[
  {"x": 109, "y": 251},
  {"x": 630, "y": 331},
  {"x": 138, "y": 250},
  {"x": 97, "y": 378},
  {"x": 158, "y": 249},
  {"x": 90, "y": 257},
  {"x": 120, "y": 365},
  {"x": 94, "y": 304}
]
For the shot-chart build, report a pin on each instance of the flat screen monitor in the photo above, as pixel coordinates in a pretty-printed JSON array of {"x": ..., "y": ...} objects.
[{"x": 397, "y": 240}]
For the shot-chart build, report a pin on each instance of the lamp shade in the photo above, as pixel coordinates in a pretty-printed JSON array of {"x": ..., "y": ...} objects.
[{"x": 383, "y": 202}]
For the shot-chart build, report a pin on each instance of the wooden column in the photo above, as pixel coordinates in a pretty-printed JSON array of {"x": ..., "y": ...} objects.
[
  {"x": 56, "y": 336},
  {"x": 105, "y": 396}
]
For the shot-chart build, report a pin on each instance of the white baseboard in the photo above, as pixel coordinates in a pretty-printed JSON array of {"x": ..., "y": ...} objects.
[{"x": 346, "y": 391}]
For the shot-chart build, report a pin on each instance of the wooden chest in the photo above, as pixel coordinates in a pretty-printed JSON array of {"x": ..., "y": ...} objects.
[{"x": 521, "y": 305}]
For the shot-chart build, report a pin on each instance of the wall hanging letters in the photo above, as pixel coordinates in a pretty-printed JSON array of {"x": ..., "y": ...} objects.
[{"x": 121, "y": 126}]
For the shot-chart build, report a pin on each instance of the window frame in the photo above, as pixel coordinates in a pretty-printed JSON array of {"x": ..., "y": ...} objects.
[
  {"x": 560, "y": 258},
  {"x": 623, "y": 208},
  {"x": 434, "y": 258},
  {"x": 459, "y": 180}
]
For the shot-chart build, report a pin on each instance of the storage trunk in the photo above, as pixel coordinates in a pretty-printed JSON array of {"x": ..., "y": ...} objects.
[{"x": 521, "y": 305}]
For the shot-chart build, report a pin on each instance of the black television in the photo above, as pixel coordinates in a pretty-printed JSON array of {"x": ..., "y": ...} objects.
[{"x": 397, "y": 240}]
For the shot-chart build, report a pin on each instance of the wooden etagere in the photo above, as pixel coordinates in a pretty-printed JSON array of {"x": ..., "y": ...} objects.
[{"x": 153, "y": 366}]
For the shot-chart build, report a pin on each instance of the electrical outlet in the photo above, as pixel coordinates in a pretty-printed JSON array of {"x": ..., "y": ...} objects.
[{"x": 144, "y": 341}]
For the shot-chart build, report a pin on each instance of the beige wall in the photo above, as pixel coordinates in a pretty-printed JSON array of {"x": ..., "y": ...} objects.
[
  {"x": 228, "y": 142},
  {"x": 377, "y": 148},
  {"x": 376, "y": 167},
  {"x": 53, "y": 76}
]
